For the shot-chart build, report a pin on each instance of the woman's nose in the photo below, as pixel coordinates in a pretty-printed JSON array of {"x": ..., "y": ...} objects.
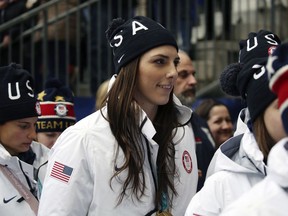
[
  {"x": 32, "y": 133},
  {"x": 227, "y": 124},
  {"x": 172, "y": 73}
]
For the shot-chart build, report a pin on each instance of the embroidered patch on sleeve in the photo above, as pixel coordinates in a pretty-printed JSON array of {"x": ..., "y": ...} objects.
[
  {"x": 61, "y": 172},
  {"x": 187, "y": 161}
]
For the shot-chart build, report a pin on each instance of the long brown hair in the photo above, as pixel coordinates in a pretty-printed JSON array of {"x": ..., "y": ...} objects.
[
  {"x": 123, "y": 117},
  {"x": 262, "y": 136}
]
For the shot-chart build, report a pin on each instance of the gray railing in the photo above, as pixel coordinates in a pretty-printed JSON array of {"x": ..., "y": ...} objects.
[{"x": 209, "y": 30}]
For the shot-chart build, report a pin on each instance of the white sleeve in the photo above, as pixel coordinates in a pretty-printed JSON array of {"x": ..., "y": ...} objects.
[
  {"x": 67, "y": 189},
  {"x": 209, "y": 200}
]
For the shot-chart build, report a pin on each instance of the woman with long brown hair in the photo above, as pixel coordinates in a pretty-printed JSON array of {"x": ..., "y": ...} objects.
[{"x": 134, "y": 156}]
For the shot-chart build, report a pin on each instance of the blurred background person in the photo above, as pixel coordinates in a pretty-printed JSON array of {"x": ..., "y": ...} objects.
[
  {"x": 10, "y": 9},
  {"x": 57, "y": 105},
  {"x": 218, "y": 119},
  {"x": 60, "y": 59},
  {"x": 185, "y": 86},
  {"x": 185, "y": 90}
]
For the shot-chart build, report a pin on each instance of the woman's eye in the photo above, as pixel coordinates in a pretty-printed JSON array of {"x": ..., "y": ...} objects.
[
  {"x": 219, "y": 121},
  {"x": 23, "y": 126},
  {"x": 228, "y": 120},
  {"x": 160, "y": 61},
  {"x": 50, "y": 135},
  {"x": 176, "y": 63}
]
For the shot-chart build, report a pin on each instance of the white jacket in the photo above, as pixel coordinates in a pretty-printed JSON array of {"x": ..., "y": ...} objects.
[
  {"x": 236, "y": 166},
  {"x": 242, "y": 120},
  {"x": 87, "y": 150},
  {"x": 10, "y": 199},
  {"x": 270, "y": 196}
]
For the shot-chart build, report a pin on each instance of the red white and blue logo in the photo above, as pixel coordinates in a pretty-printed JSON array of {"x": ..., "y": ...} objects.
[{"x": 187, "y": 161}]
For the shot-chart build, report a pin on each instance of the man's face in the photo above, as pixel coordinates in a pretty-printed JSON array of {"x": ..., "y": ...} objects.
[{"x": 185, "y": 86}]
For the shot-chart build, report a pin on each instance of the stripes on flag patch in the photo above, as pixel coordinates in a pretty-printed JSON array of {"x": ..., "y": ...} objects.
[{"x": 61, "y": 172}]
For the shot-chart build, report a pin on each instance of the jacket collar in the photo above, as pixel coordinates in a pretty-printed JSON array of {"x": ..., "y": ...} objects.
[
  {"x": 250, "y": 150},
  {"x": 146, "y": 126}
]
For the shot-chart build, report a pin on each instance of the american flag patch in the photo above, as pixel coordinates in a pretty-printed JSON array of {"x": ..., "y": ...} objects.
[{"x": 61, "y": 172}]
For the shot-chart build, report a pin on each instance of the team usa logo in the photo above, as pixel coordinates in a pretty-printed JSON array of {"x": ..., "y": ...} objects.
[
  {"x": 187, "y": 161},
  {"x": 61, "y": 110}
]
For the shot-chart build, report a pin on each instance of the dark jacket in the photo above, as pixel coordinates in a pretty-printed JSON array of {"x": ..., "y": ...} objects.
[{"x": 205, "y": 146}]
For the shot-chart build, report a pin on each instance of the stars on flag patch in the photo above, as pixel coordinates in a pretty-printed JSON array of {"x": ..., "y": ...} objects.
[{"x": 61, "y": 172}]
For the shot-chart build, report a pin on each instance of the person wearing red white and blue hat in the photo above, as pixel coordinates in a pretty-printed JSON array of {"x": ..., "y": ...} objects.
[{"x": 57, "y": 112}]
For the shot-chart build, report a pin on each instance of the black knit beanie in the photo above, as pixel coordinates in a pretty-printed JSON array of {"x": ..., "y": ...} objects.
[
  {"x": 248, "y": 77},
  {"x": 57, "y": 106},
  {"x": 134, "y": 37},
  {"x": 17, "y": 98}
]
